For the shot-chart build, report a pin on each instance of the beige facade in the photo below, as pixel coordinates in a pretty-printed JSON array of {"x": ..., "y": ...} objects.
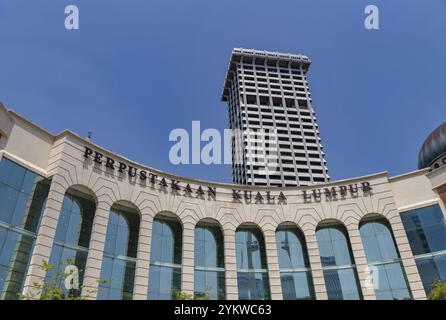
[{"x": 61, "y": 158}]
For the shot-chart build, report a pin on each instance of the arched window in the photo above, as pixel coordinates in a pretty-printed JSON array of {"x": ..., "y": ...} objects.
[
  {"x": 295, "y": 273},
  {"x": 341, "y": 279},
  {"x": 72, "y": 237},
  {"x": 119, "y": 262},
  {"x": 165, "y": 258},
  {"x": 23, "y": 196},
  {"x": 384, "y": 261},
  {"x": 209, "y": 261},
  {"x": 252, "y": 269}
]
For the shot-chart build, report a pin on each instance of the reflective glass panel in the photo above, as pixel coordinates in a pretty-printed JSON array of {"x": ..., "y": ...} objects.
[
  {"x": 252, "y": 275},
  {"x": 295, "y": 272},
  {"x": 297, "y": 285},
  {"x": 22, "y": 200},
  {"x": 341, "y": 279},
  {"x": 165, "y": 259},
  {"x": 119, "y": 262},
  {"x": 426, "y": 231},
  {"x": 342, "y": 284},
  {"x": 15, "y": 252},
  {"x": 72, "y": 237},
  {"x": 384, "y": 261},
  {"x": 209, "y": 261},
  {"x": 22, "y": 196},
  {"x": 253, "y": 286},
  {"x": 250, "y": 249},
  {"x": 210, "y": 284}
]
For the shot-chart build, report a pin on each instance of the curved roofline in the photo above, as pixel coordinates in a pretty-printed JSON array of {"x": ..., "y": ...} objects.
[
  {"x": 86, "y": 142},
  {"x": 208, "y": 182},
  {"x": 409, "y": 174}
]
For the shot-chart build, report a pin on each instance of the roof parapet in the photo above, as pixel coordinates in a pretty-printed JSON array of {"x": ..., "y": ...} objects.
[{"x": 238, "y": 53}]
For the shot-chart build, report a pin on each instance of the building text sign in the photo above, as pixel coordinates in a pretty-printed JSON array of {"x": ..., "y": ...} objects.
[{"x": 331, "y": 193}]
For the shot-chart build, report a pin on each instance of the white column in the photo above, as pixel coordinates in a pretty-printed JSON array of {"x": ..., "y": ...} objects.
[
  {"x": 187, "y": 271},
  {"x": 96, "y": 250},
  {"x": 273, "y": 265},
  {"x": 360, "y": 261},
  {"x": 316, "y": 266},
  {"x": 410, "y": 267},
  {"x": 143, "y": 258},
  {"x": 230, "y": 265}
]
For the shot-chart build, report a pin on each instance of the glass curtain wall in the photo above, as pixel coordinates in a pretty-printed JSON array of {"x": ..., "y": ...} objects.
[
  {"x": 426, "y": 231},
  {"x": 72, "y": 239},
  {"x": 23, "y": 195},
  {"x": 165, "y": 258},
  {"x": 389, "y": 278},
  {"x": 209, "y": 261},
  {"x": 252, "y": 268},
  {"x": 119, "y": 262},
  {"x": 339, "y": 268},
  {"x": 295, "y": 273}
]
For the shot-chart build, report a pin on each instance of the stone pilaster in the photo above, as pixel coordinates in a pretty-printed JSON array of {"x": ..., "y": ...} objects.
[
  {"x": 410, "y": 267},
  {"x": 362, "y": 268},
  {"x": 316, "y": 266},
  {"x": 187, "y": 271},
  {"x": 143, "y": 258},
  {"x": 45, "y": 237},
  {"x": 273, "y": 266},
  {"x": 230, "y": 265},
  {"x": 96, "y": 250}
]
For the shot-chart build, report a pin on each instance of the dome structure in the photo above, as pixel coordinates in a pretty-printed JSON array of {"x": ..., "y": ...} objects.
[{"x": 433, "y": 147}]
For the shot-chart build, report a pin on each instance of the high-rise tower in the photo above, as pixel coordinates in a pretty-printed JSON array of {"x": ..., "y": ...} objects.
[{"x": 276, "y": 140}]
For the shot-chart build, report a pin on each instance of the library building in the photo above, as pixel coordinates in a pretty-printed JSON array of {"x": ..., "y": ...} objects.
[{"x": 134, "y": 232}]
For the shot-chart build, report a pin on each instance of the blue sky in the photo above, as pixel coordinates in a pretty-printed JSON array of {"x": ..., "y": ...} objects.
[{"x": 137, "y": 69}]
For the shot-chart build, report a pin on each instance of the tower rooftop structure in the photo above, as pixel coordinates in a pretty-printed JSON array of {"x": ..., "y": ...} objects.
[
  {"x": 276, "y": 139},
  {"x": 260, "y": 56}
]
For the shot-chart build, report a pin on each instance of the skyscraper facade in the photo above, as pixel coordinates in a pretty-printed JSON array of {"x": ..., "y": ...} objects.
[{"x": 276, "y": 140}]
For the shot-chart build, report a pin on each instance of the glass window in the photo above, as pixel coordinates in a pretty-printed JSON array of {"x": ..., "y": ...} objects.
[
  {"x": 119, "y": 262},
  {"x": 165, "y": 258},
  {"x": 384, "y": 261},
  {"x": 334, "y": 247},
  {"x": 297, "y": 285},
  {"x": 22, "y": 200},
  {"x": 61, "y": 257},
  {"x": 253, "y": 285},
  {"x": 342, "y": 284},
  {"x": 340, "y": 275},
  {"x": 252, "y": 270},
  {"x": 295, "y": 272},
  {"x": 209, "y": 261},
  {"x": 76, "y": 219},
  {"x": 72, "y": 236},
  {"x": 15, "y": 252},
  {"x": 431, "y": 269},
  {"x": 22, "y": 196},
  {"x": 426, "y": 231}
]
